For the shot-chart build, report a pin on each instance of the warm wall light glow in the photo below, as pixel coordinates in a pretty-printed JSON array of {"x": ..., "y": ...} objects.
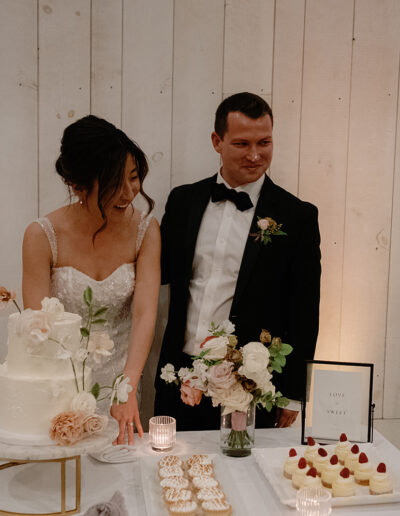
[{"x": 162, "y": 430}]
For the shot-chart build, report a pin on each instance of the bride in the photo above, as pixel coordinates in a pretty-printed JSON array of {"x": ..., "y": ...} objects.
[{"x": 101, "y": 241}]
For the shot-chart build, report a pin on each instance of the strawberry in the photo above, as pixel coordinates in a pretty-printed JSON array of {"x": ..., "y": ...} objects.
[
  {"x": 362, "y": 458},
  {"x": 302, "y": 463},
  {"x": 334, "y": 459},
  {"x": 292, "y": 452},
  {"x": 345, "y": 473},
  {"x": 355, "y": 448},
  {"x": 312, "y": 472},
  {"x": 343, "y": 438},
  {"x": 322, "y": 452},
  {"x": 310, "y": 441},
  {"x": 381, "y": 468}
]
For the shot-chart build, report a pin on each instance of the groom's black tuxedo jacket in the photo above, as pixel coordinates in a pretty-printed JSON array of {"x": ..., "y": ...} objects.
[{"x": 278, "y": 286}]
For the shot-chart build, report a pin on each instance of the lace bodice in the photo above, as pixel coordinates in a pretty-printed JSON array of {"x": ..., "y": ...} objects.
[{"x": 115, "y": 292}]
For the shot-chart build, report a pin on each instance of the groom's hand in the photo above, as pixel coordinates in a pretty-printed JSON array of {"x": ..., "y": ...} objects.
[{"x": 285, "y": 417}]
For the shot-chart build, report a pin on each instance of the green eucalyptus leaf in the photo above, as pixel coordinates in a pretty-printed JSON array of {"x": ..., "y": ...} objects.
[
  {"x": 99, "y": 321},
  {"x": 282, "y": 402},
  {"x": 95, "y": 390},
  {"x": 268, "y": 405},
  {"x": 286, "y": 349},
  {"x": 88, "y": 296},
  {"x": 276, "y": 367},
  {"x": 85, "y": 332},
  {"x": 281, "y": 360},
  {"x": 100, "y": 311}
]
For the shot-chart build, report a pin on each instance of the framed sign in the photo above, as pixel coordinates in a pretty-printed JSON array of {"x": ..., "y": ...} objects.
[{"x": 338, "y": 399}]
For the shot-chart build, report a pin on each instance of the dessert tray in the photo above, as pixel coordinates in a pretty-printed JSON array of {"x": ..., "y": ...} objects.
[
  {"x": 153, "y": 492},
  {"x": 271, "y": 460}
]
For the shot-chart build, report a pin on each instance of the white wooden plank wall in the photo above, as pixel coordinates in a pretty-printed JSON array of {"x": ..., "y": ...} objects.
[{"x": 159, "y": 68}]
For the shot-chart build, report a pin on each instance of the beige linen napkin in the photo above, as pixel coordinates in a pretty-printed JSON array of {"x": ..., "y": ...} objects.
[{"x": 115, "y": 507}]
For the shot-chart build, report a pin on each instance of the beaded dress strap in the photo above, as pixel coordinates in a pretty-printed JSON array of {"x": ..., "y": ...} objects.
[
  {"x": 47, "y": 227},
  {"x": 142, "y": 228}
]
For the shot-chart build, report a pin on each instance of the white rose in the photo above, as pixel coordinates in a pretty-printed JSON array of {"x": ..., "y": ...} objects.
[
  {"x": 263, "y": 382},
  {"x": 63, "y": 353},
  {"x": 168, "y": 373},
  {"x": 84, "y": 402},
  {"x": 99, "y": 346},
  {"x": 35, "y": 326},
  {"x": 255, "y": 360},
  {"x": 122, "y": 389},
  {"x": 52, "y": 305},
  {"x": 233, "y": 399},
  {"x": 217, "y": 347},
  {"x": 263, "y": 224},
  {"x": 228, "y": 327}
]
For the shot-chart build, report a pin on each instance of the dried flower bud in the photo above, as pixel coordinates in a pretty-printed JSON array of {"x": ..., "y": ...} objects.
[
  {"x": 234, "y": 355},
  {"x": 276, "y": 343},
  {"x": 265, "y": 337},
  {"x": 6, "y": 297},
  {"x": 247, "y": 384},
  {"x": 232, "y": 341}
]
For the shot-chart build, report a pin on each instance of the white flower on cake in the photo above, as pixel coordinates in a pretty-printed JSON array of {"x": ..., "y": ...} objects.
[
  {"x": 83, "y": 402},
  {"x": 168, "y": 373},
  {"x": 35, "y": 326},
  {"x": 255, "y": 360},
  {"x": 99, "y": 346},
  {"x": 63, "y": 353},
  {"x": 81, "y": 354},
  {"x": 52, "y": 305},
  {"x": 216, "y": 347}
]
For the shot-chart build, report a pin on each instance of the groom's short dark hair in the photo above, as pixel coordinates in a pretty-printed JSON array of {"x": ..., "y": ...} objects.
[{"x": 249, "y": 104}]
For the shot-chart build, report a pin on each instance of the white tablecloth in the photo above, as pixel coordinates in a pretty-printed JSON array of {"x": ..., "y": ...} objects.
[{"x": 35, "y": 487}]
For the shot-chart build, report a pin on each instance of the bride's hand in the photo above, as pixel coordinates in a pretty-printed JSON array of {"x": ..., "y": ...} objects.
[{"x": 128, "y": 417}]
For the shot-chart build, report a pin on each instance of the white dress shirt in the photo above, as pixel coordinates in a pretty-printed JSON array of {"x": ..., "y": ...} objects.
[{"x": 219, "y": 250}]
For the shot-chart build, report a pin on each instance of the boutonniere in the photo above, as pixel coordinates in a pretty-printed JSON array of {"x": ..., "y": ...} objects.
[{"x": 267, "y": 227}]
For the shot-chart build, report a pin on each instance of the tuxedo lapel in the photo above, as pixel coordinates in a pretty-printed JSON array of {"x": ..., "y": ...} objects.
[
  {"x": 198, "y": 203},
  {"x": 265, "y": 202}
]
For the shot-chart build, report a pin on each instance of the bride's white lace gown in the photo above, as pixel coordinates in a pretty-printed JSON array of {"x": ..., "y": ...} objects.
[{"x": 115, "y": 292}]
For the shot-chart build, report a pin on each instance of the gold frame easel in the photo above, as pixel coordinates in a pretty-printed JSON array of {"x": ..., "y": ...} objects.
[{"x": 63, "y": 460}]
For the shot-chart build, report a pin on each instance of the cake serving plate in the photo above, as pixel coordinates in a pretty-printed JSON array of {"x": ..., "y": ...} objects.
[{"x": 271, "y": 460}]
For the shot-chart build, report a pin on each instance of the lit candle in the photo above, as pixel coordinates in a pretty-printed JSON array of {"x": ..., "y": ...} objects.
[{"x": 162, "y": 430}]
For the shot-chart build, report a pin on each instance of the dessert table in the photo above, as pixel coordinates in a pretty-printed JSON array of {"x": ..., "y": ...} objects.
[{"x": 35, "y": 487}]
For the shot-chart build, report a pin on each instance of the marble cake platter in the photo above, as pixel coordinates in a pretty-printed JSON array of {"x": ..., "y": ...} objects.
[{"x": 91, "y": 444}]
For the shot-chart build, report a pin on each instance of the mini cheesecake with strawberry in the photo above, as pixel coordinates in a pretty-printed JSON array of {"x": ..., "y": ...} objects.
[
  {"x": 351, "y": 459},
  {"x": 380, "y": 482},
  {"x": 321, "y": 460},
  {"x": 342, "y": 448},
  {"x": 311, "y": 451},
  {"x": 344, "y": 484},
  {"x": 290, "y": 464},
  {"x": 331, "y": 471},
  {"x": 363, "y": 470},
  {"x": 299, "y": 473},
  {"x": 311, "y": 479}
]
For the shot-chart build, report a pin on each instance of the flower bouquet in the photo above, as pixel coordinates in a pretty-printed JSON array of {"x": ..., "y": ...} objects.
[{"x": 237, "y": 379}]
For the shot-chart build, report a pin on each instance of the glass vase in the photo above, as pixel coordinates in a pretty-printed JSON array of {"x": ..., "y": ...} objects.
[{"x": 237, "y": 432}]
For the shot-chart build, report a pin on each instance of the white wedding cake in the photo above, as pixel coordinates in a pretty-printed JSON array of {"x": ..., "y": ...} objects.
[{"x": 37, "y": 381}]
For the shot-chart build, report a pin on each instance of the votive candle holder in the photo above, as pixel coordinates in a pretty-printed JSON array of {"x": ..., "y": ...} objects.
[
  {"x": 314, "y": 501},
  {"x": 162, "y": 430}
]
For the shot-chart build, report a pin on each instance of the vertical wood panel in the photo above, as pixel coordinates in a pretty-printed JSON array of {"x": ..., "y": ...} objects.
[
  {"x": 64, "y": 80},
  {"x": 198, "y": 52},
  {"x": 369, "y": 185},
  {"x": 106, "y": 62},
  {"x": 391, "y": 395},
  {"x": 147, "y": 88},
  {"x": 146, "y": 117},
  {"x": 286, "y": 92},
  {"x": 18, "y": 142},
  {"x": 323, "y": 147},
  {"x": 248, "y": 49}
]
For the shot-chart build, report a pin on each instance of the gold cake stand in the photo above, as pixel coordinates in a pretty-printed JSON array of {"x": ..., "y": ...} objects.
[
  {"x": 62, "y": 461},
  {"x": 22, "y": 453}
]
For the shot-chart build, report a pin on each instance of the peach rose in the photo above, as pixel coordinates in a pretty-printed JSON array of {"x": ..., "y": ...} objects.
[
  {"x": 220, "y": 376},
  {"x": 94, "y": 423},
  {"x": 67, "y": 428},
  {"x": 190, "y": 395}
]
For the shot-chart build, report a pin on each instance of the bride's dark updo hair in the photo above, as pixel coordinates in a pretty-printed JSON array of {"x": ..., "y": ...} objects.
[{"x": 93, "y": 149}]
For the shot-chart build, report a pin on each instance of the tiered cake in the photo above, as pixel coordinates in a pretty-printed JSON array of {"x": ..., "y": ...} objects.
[{"x": 37, "y": 380}]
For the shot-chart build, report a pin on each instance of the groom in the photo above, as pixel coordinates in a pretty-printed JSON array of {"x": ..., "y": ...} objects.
[{"x": 218, "y": 270}]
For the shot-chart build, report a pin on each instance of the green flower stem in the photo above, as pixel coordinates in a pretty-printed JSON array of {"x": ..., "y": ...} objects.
[
  {"x": 76, "y": 380},
  {"x": 87, "y": 343},
  {"x": 238, "y": 439},
  {"x": 16, "y": 304}
]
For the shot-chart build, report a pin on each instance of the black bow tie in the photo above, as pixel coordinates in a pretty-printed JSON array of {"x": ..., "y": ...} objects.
[{"x": 221, "y": 193}]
